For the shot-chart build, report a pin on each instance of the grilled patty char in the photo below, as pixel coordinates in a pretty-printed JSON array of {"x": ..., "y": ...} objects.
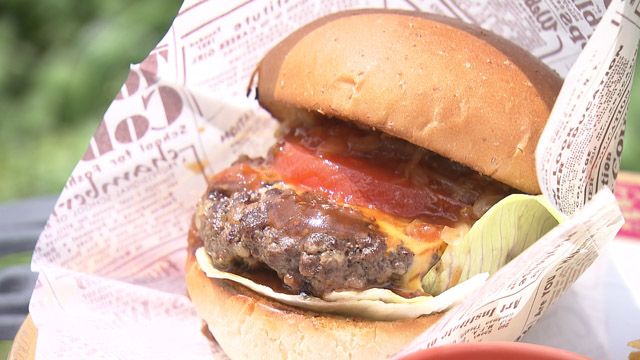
[{"x": 314, "y": 245}]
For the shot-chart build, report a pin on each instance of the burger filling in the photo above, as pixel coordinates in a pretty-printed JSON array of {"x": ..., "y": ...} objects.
[
  {"x": 336, "y": 207},
  {"x": 314, "y": 245}
]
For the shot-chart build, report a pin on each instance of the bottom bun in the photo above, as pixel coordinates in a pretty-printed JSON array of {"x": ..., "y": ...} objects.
[{"x": 250, "y": 326}]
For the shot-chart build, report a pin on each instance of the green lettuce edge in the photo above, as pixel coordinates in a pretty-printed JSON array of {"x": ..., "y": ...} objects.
[{"x": 505, "y": 231}]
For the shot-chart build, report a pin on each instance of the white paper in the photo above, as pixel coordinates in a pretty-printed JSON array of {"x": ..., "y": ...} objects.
[
  {"x": 602, "y": 306},
  {"x": 518, "y": 294},
  {"x": 112, "y": 254},
  {"x": 580, "y": 148}
]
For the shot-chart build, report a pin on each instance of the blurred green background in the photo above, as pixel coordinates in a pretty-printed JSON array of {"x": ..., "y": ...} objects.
[{"x": 62, "y": 62}]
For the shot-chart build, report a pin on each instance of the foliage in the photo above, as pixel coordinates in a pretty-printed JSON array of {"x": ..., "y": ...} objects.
[
  {"x": 631, "y": 152},
  {"x": 61, "y": 63},
  {"x": 5, "y": 347}
]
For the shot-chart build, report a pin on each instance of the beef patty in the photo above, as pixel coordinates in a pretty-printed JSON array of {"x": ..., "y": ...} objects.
[{"x": 314, "y": 245}]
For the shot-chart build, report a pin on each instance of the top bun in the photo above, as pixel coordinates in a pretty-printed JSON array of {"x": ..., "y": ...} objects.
[{"x": 449, "y": 87}]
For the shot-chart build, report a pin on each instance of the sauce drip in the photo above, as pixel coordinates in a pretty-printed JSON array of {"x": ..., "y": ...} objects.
[
  {"x": 312, "y": 214},
  {"x": 408, "y": 193},
  {"x": 371, "y": 169}
]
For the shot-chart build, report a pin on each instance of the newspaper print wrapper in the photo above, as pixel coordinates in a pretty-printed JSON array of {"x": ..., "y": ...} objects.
[{"x": 111, "y": 257}]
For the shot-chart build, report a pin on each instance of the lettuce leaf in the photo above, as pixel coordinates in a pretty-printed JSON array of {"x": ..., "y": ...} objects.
[
  {"x": 375, "y": 304},
  {"x": 507, "y": 229}
]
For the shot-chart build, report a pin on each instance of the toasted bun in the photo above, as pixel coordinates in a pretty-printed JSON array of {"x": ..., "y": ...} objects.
[
  {"x": 454, "y": 89},
  {"x": 250, "y": 326}
]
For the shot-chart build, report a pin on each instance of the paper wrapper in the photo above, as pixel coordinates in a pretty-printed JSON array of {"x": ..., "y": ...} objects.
[{"x": 112, "y": 254}]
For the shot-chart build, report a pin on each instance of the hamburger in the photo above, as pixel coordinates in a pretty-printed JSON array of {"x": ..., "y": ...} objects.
[{"x": 399, "y": 132}]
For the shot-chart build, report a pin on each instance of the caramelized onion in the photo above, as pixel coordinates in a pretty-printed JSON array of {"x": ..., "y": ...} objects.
[
  {"x": 370, "y": 168},
  {"x": 452, "y": 234},
  {"x": 333, "y": 145},
  {"x": 424, "y": 231},
  {"x": 484, "y": 203},
  {"x": 364, "y": 144}
]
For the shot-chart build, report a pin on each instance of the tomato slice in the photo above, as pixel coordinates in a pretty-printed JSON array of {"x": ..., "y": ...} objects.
[{"x": 362, "y": 182}]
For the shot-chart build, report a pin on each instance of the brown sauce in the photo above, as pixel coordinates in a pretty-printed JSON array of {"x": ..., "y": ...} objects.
[
  {"x": 338, "y": 162},
  {"x": 371, "y": 169},
  {"x": 267, "y": 277}
]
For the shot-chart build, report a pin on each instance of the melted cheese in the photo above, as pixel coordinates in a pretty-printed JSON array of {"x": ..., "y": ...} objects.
[{"x": 426, "y": 252}]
